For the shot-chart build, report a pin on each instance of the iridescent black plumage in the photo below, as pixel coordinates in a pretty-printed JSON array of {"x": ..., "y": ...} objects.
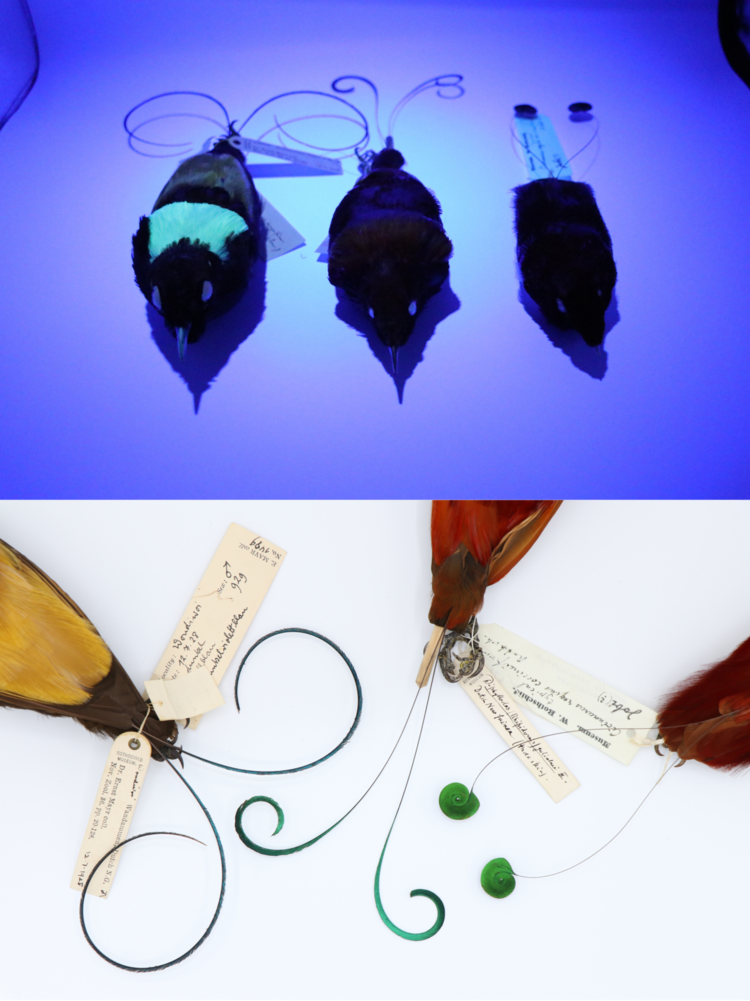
[
  {"x": 565, "y": 254},
  {"x": 387, "y": 248},
  {"x": 189, "y": 279}
]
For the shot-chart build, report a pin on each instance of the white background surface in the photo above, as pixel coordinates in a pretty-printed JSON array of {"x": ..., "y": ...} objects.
[
  {"x": 638, "y": 594},
  {"x": 91, "y": 407}
]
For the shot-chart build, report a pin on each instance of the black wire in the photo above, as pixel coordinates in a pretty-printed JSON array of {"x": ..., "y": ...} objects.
[
  {"x": 167, "y": 93},
  {"x": 333, "y": 97},
  {"x": 149, "y": 834},
  {"x": 311, "y": 764}
]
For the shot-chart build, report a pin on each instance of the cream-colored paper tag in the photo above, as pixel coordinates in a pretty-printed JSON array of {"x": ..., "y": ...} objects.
[
  {"x": 182, "y": 698},
  {"x": 225, "y": 602},
  {"x": 566, "y": 696},
  {"x": 281, "y": 236},
  {"x": 112, "y": 812},
  {"x": 505, "y": 716}
]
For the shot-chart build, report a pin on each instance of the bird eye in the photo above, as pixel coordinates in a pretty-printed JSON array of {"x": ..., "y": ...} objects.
[
  {"x": 155, "y": 297},
  {"x": 208, "y": 291},
  {"x": 412, "y": 308},
  {"x": 371, "y": 311},
  {"x": 598, "y": 291},
  {"x": 561, "y": 306}
]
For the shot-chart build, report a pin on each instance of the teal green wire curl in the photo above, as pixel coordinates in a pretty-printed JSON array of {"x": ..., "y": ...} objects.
[
  {"x": 413, "y": 936},
  {"x": 280, "y": 818}
]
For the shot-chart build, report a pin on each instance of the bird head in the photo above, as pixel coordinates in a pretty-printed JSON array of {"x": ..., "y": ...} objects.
[
  {"x": 393, "y": 308},
  {"x": 391, "y": 265},
  {"x": 583, "y": 308},
  {"x": 572, "y": 276},
  {"x": 182, "y": 287}
]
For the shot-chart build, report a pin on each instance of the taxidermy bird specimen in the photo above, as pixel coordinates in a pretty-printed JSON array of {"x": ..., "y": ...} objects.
[
  {"x": 387, "y": 249},
  {"x": 193, "y": 255},
  {"x": 707, "y": 717},
  {"x": 564, "y": 251},
  {"x": 474, "y": 544},
  {"x": 53, "y": 660}
]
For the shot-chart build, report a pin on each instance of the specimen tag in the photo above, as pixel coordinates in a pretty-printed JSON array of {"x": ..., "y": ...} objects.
[
  {"x": 322, "y": 164},
  {"x": 505, "y": 716},
  {"x": 566, "y": 696},
  {"x": 112, "y": 813},
  {"x": 225, "y": 602},
  {"x": 281, "y": 236},
  {"x": 184, "y": 697},
  {"x": 310, "y": 163},
  {"x": 541, "y": 148}
]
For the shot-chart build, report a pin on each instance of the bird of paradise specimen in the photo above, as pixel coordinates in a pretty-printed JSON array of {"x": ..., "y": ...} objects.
[
  {"x": 53, "y": 660},
  {"x": 707, "y": 717}
]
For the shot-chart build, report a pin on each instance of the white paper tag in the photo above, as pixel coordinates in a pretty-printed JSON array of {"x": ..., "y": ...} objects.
[
  {"x": 224, "y": 604},
  {"x": 182, "y": 698},
  {"x": 322, "y": 163},
  {"x": 566, "y": 696},
  {"x": 505, "y": 716},
  {"x": 541, "y": 148},
  {"x": 112, "y": 812},
  {"x": 281, "y": 236}
]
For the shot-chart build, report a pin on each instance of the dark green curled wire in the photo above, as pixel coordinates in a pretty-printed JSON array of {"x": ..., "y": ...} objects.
[{"x": 311, "y": 764}]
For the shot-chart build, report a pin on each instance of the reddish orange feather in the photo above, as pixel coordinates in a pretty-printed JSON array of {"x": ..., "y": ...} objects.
[
  {"x": 474, "y": 544},
  {"x": 707, "y": 717}
]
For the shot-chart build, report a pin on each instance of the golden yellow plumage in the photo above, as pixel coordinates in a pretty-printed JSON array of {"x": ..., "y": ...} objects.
[
  {"x": 53, "y": 660},
  {"x": 48, "y": 652}
]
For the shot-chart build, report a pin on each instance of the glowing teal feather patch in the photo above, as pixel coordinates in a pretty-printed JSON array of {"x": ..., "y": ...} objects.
[{"x": 198, "y": 221}]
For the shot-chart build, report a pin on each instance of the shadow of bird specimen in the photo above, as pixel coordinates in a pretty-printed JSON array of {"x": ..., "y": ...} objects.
[
  {"x": 565, "y": 254},
  {"x": 193, "y": 255},
  {"x": 387, "y": 247}
]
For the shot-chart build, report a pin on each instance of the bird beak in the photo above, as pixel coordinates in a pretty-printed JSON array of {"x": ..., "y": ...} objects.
[
  {"x": 182, "y": 336},
  {"x": 394, "y": 356}
]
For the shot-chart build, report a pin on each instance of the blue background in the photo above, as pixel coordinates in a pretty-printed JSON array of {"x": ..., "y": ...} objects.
[{"x": 93, "y": 403}]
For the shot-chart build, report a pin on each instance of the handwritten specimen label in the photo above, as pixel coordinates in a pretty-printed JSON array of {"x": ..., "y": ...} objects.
[
  {"x": 184, "y": 697},
  {"x": 281, "y": 236},
  {"x": 219, "y": 613},
  {"x": 566, "y": 696},
  {"x": 541, "y": 148},
  {"x": 505, "y": 716},
  {"x": 112, "y": 812}
]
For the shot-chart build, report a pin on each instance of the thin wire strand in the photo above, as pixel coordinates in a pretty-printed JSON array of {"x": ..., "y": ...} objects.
[
  {"x": 665, "y": 771},
  {"x": 156, "y": 97},
  {"x": 307, "y": 844},
  {"x": 449, "y": 81},
  {"x": 148, "y": 834},
  {"x": 350, "y": 90}
]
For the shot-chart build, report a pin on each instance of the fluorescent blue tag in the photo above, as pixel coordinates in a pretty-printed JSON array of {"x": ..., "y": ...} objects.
[{"x": 541, "y": 148}]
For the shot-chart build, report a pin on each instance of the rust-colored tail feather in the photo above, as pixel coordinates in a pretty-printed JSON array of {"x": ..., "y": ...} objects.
[{"x": 707, "y": 717}]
